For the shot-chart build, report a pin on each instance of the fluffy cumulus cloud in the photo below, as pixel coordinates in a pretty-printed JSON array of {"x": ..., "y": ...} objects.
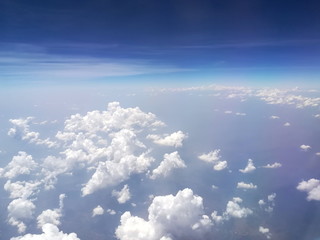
[
  {"x": 19, "y": 165},
  {"x": 210, "y": 157},
  {"x": 22, "y": 189},
  {"x": 51, "y": 216},
  {"x": 265, "y": 231},
  {"x": 312, "y": 187},
  {"x": 304, "y": 147},
  {"x": 98, "y": 210},
  {"x": 273, "y": 165},
  {"x": 123, "y": 195},
  {"x": 170, "y": 217},
  {"x": 50, "y": 232},
  {"x": 215, "y": 158},
  {"x": 249, "y": 168},
  {"x": 109, "y": 142},
  {"x": 19, "y": 210},
  {"x": 244, "y": 185},
  {"x": 174, "y": 140},
  {"x": 170, "y": 162},
  {"x": 233, "y": 210},
  {"x": 21, "y": 129},
  {"x": 269, "y": 203},
  {"x": 220, "y": 165}
]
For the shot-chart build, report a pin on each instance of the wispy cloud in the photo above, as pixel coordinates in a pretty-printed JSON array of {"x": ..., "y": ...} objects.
[{"x": 37, "y": 64}]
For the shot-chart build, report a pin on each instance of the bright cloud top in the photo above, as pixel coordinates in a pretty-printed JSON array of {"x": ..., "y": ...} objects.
[
  {"x": 312, "y": 187},
  {"x": 123, "y": 195},
  {"x": 215, "y": 158},
  {"x": 244, "y": 185},
  {"x": 173, "y": 140},
  {"x": 170, "y": 162},
  {"x": 249, "y": 168},
  {"x": 170, "y": 217}
]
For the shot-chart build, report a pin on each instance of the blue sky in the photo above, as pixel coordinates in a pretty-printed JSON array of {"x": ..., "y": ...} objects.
[{"x": 59, "y": 41}]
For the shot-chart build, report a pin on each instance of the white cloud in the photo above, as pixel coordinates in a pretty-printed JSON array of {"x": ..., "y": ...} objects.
[
  {"x": 274, "y": 117},
  {"x": 21, "y": 129},
  {"x": 50, "y": 232},
  {"x": 170, "y": 162},
  {"x": 287, "y": 124},
  {"x": 214, "y": 187},
  {"x": 249, "y": 168},
  {"x": 19, "y": 165},
  {"x": 318, "y": 153},
  {"x": 21, "y": 189},
  {"x": 111, "y": 211},
  {"x": 214, "y": 157},
  {"x": 98, "y": 210},
  {"x": 180, "y": 216},
  {"x": 123, "y": 195},
  {"x": 244, "y": 185},
  {"x": 233, "y": 210},
  {"x": 220, "y": 165},
  {"x": 265, "y": 231},
  {"x": 108, "y": 142},
  {"x": 18, "y": 210},
  {"x": 274, "y": 165},
  {"x": 268, "y": 204},
  {"x": 211, "y": 156},
  {"x": 312, "y": 187},
  {"x": 305, "y": 147},
  {"x": 240, "y": 114},
  {"x": 51, "y": 216},
  {"x": 173, "y": 140},
  {"x": 317, "y": 116}
]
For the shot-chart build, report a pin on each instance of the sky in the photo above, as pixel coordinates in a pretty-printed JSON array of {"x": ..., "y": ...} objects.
[
  {"x": 159, "y": 120},
  {"x": 162, "y": 41}
]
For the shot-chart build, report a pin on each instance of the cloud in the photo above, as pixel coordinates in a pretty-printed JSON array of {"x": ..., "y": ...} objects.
[
  {"x": 211, "y": 156},
  {"x": 274, "y": 117},
  {"x": 249, "y": 168},
  {"x": 181, "y": 216},
  {"x": 233, "y": 210},
  {"x": 214, "y": 157},
  {"x": 305, "y": 147},
  {"x": 123, "y": 195},
  {"x": 274, "y": 165},
  {"x": 111, "y": 211},
  {"x": 98, "y": 210},
  {"x": 173, "y": 140},
  {"x": 50, "y": 232},
  {"x": 22, "y": 189},
  {"x": 43, "y": 65},
  {"x": 51, "y": 216},
  {"x": 20, "y": 209},
  {"x": 312, "y": 187},
  {"x": 244, "y": 185},
  {"x": 269, "y": 203},
  {"x": 108, "y": 142},
  {"x": 287, "y": 124},
  {"x": 22, "y": 164},
  {"x": 21, "y": 129},
  {"x": 170, "y": 162},
  {"x": 220, "y": 165},
  {"x": 265, "y": 231}
]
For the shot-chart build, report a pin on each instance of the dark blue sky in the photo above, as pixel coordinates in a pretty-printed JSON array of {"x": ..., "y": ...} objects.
[{"x": 208, "y": 36}]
